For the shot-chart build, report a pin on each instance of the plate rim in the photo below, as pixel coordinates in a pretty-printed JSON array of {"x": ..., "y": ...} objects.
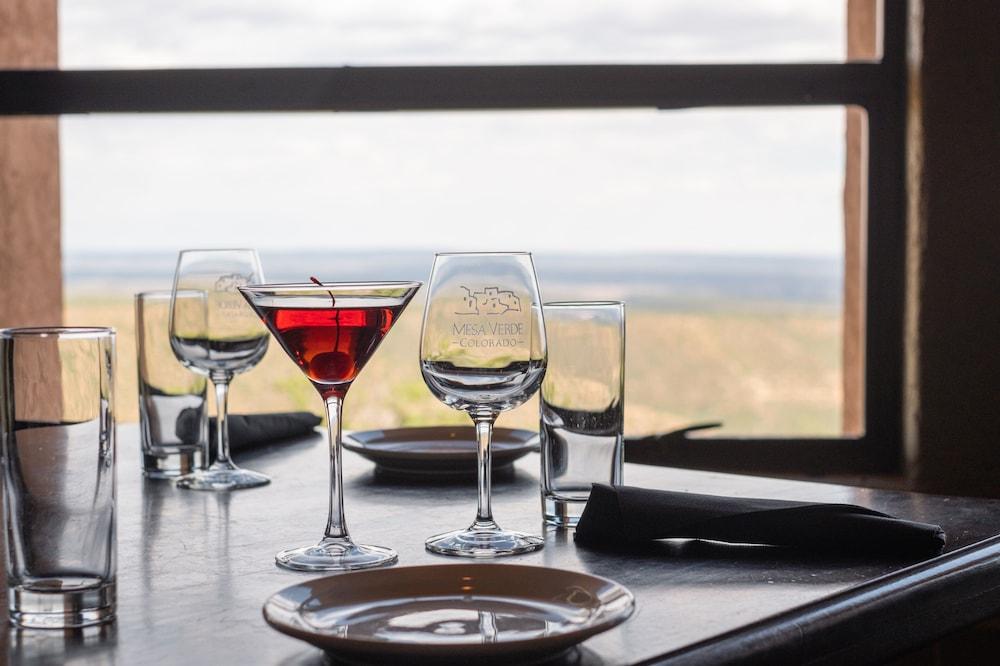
[
  {"x": 526, "y": 444},
  {"x": 370, "y": 646}
]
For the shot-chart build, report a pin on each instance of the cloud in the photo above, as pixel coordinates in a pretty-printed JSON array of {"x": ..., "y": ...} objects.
[
  {"x": 164, "y": 33},
  {"x": 711, "y": 180}
]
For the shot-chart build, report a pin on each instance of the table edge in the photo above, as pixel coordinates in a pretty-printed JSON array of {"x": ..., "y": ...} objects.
[{"x": 869, "y": 623}]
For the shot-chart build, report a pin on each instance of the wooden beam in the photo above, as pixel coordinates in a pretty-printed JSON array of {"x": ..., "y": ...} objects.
[
  {"x": 862, "y": 44},
  {"x": 30, "y": 255},
  {"x": 953, "y": 361}
]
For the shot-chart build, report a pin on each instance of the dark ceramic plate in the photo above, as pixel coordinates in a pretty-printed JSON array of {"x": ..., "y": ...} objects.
[
  {"x": 438, "y": 450},
  {"x": 492, "y": 613}
]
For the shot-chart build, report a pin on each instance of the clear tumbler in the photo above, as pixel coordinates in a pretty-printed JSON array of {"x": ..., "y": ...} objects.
[
  {"x": 58, "y": 437},
  {"x": 173, "y": 401},
  {"x": 582, "y": 405}
]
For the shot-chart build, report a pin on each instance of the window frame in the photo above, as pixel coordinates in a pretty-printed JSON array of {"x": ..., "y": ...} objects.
[{"x": 877, "y": 86}]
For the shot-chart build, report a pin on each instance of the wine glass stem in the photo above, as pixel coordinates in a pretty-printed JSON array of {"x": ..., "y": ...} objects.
[
  {"x": 484, "y": 435},
  {"x": 335, "y": 525},
  {"x": 221, "y": 384}
]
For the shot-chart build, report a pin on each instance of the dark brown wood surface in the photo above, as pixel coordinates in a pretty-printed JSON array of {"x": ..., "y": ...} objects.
[{"x": 194, "y": 568}]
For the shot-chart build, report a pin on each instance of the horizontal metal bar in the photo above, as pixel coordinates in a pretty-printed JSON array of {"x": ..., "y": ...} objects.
[{"x": 50, "y": 92}]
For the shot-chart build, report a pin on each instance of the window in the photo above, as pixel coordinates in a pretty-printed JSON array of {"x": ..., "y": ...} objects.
[
  {"x": 734, "y": 302},
  {"x": 560, "y": 98}
]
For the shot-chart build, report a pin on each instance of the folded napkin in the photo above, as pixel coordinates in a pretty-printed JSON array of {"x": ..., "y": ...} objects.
[
  {"x": 248, "y": 431},
  {"x": 624, "y": 515}
]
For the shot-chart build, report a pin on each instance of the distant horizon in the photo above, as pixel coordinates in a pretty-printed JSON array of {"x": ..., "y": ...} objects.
[{"x": 653, "y": 279}]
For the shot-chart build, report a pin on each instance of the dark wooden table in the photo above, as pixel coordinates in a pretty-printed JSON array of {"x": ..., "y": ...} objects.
[{"x": 194, "y": 569}]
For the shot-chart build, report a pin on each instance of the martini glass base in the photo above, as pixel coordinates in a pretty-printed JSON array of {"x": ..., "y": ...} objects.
[
  {"x": 222, "y": 477},
  {"x": 336, "y": 554},
  {"x": 483, "y": 541}
]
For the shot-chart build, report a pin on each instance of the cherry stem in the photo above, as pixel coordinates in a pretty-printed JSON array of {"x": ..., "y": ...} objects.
[{"x": 333, "y": 301}]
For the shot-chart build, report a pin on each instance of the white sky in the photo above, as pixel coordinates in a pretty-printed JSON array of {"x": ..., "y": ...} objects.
[{"x": 757, "y": 181}]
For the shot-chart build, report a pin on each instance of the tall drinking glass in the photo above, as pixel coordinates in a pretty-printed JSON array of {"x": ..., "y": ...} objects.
[
  {"x": 582, "y": 405},
  {"x": 58, "y": 434},
  {"x": 330, "y": 330},
  {"x": 173, "y": 401},
  {"x": 219, "y": 336},
  {"x": 482, "y": 350}
]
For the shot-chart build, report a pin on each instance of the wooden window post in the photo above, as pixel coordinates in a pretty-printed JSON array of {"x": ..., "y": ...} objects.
[
  {"x": 952, "y": 424},
  {"x": 862, "y": 44},
  {"x": 30, "y": 255}
]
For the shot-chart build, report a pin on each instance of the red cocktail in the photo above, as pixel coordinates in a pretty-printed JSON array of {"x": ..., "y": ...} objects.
[{"x": 330, "y": 345}]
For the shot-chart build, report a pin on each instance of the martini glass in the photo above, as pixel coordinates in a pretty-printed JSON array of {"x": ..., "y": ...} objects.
[{"x": 331, "y": 330}]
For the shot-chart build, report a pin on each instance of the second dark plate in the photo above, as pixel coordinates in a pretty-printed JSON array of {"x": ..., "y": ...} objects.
[{"x": 437, "y": 450}]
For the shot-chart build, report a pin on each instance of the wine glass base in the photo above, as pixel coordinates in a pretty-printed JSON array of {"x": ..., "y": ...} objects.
[
  {"x": 222, "y": 479},
  {"x": 336, "y": 554},
  {"x": 483, "y": 543}
]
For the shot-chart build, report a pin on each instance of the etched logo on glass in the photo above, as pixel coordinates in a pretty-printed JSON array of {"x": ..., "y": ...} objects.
[
  {"x": 227, "y": 301},
  {"x": 489, "y": 301},
  {"x": 502, "y": 322},
  {"x": 231, "y": 281}
]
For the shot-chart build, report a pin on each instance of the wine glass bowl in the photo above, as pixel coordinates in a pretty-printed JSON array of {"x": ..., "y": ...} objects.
[
  {"x": 330, "y": 330},
  {"x": 482, "y": 351},
  {"x": 215, "y": 334}
]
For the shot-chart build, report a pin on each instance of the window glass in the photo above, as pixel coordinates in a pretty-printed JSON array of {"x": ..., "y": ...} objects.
[{"x": 721, "y": 229}]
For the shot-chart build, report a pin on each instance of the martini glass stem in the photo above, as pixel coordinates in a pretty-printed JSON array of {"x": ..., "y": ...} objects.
[
  {"x": 484, "y": 436},
  {"x": 335, "y": 526},
  {"x": 220, "y": 382}
]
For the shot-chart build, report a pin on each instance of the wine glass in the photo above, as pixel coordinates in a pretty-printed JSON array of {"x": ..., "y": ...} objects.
[
  {"x": 482, "y": 350},
  {"x": 214, "y": 333},
  {"x": 331, "y": 330}
]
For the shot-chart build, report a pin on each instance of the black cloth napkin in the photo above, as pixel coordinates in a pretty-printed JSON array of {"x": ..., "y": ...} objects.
[
  {"x": 248, "y": 431},
  {"x": 626, "y": 516}
]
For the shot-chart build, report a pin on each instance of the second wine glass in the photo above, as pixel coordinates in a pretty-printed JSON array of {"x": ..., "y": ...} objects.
[
  {"x": 215, "y": 333},
  {"x": 482, "y": 350}
]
